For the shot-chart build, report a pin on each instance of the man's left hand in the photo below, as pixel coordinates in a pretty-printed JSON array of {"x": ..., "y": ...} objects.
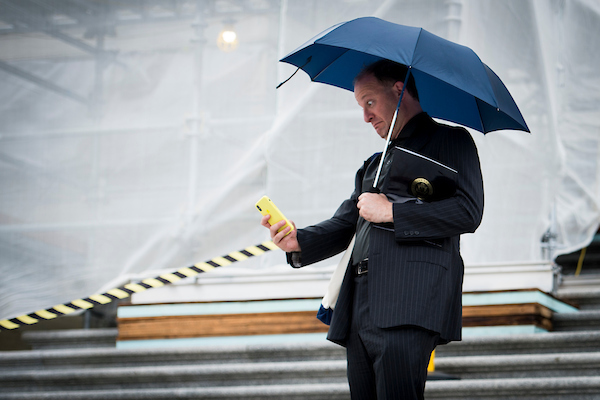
[{"x": 375, "y": 207}]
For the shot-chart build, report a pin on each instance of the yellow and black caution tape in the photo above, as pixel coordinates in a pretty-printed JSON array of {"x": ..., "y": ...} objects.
[{"x": 125, "y": 291}]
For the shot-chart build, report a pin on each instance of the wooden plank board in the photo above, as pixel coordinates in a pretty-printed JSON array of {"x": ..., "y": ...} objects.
[
  {"x": 506, "y": 309},
  {"x": 220, "y": 325},
  {"x": 265, "y": 323},
  {"x": 536, "y": 320},
  {"x": 508, "y": 314}
]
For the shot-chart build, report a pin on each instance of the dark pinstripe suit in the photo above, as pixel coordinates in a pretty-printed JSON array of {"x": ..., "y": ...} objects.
[{"x": 415, "y": 269}]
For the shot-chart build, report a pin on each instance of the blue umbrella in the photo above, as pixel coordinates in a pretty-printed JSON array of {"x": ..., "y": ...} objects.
[{"x": 453, "y": 83}]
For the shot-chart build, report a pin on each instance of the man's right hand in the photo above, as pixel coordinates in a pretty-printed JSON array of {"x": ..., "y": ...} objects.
[{"x": 287, "y": 243}]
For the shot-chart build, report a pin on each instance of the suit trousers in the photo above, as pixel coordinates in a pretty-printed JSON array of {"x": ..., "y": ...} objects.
[{"x": 385, "y": 364}]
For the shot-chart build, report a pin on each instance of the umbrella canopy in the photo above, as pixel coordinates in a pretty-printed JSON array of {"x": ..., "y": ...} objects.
[{"x": 453, "y": 83}]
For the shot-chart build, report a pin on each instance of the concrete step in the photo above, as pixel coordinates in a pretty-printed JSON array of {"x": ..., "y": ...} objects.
[
  {"x": 329, "y": 391},
  {"x": 71, "y": 338},
  {"x": 571, "y": 388},
  {"x": 175, "y": 376},
  {"x": 520, "y": 366},
  {"x": 584, "y": 299},
  {"x": 582, "y": 291},
  {"x": 582, "y": 388},
  {"x": 579, "y": 321},
  {"x": 591, "y": 280},
  {"x": 270, "y": 373},
  {"x": 554, "y": 342},
  {"x": 112, "y": 357},
  {"x": 540, "y": 343}
]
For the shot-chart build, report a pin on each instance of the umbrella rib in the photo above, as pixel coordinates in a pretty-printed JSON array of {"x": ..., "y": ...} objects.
[
  {"x": 297, "y": 69},
  {"x": 479, "y": 114},
  {"x": 412, "y": 58},
  {"x": 328, "y": 65}
]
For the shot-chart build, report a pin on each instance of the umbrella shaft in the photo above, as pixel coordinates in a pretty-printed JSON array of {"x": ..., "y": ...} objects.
[
  {"x": 389, "y": 135},
  {"x": 387, "y": 143}
]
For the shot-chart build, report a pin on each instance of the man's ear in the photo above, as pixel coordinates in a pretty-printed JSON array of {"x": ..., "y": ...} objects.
[{"x": 398, "y": 87}]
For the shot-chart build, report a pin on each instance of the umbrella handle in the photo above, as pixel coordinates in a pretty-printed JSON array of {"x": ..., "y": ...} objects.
[{"x": 389, "y": 135}]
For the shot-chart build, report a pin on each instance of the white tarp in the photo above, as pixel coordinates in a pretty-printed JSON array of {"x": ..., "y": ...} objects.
[{"x": 166, "y": 174}]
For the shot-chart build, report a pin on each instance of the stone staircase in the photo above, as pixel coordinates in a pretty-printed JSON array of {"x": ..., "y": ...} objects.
[
  {"x": 85, "y": 364},
  {"x": 298, "y": 371},
  {"x": 555, "y": 365}
]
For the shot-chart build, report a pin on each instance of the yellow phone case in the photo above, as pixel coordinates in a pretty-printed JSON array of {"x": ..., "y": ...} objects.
[{"x": 266, "y": 206}]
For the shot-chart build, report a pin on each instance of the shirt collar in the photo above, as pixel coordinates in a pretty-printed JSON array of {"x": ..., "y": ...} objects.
[{"x": 412, "y": 126}]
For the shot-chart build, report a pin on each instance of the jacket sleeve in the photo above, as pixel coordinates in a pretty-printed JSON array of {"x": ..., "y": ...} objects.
[
  {"x": 332, "y": 236},
  {"x": 456, "y": 215}
]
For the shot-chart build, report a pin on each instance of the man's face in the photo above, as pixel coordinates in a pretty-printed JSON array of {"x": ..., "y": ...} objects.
[{"x": 378, "y": 102}]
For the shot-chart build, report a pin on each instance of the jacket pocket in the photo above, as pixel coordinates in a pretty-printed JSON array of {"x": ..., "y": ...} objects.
[{"x": 427, "y": 253}]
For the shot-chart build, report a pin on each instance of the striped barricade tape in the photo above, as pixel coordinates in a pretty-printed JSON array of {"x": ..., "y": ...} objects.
[{"x": 125, "y": 291}]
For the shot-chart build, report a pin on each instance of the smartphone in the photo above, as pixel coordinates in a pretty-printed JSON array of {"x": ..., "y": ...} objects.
[{"x": 266, "y": 206}]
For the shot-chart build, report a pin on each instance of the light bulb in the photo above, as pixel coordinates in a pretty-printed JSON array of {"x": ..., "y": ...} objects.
[{"x": 229, "y": 36}]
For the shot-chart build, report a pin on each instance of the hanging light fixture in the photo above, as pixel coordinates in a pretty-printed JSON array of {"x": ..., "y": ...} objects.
[{"x": 227, "y": 39}]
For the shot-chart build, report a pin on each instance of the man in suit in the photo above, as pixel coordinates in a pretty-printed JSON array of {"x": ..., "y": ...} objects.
[{"x": 401, "y": 294}]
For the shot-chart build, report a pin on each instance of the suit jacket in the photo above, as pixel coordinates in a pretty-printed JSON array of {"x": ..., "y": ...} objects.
[{"x": 415, "y": 268}]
